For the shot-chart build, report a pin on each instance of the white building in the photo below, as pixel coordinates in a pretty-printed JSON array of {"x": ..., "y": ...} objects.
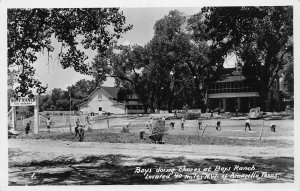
[{"x": 104, "y": 99}]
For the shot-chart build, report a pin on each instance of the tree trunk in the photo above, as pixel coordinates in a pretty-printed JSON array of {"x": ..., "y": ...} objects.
[
  {"x": 145, "y": 109},
  {"x": 170, "y": 103},
  {"x": 198, "y": 96},
  {"x": 264, "y": 97}
]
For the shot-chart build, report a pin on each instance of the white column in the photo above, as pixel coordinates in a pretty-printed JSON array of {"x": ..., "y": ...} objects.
[
  {"x": 224, "y": 103},
  {"x": 36, "y": 116},
  {"x": 239, "y": 100},
  {"x": 13, "y": 118}
]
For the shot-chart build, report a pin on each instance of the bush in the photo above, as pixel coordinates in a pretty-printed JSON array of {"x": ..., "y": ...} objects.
[
  {"x": 191, "y": 116},
  {"x": 125, "y": 130}
]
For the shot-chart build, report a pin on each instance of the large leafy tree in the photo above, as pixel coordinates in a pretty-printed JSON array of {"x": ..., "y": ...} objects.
[
  {"x": 125, "y": 64},
  {"x": 81, "y": 89},
  {"x": 180, "y": 60},
  {"x": 59, "y": 99},
  {"x": 288, "y": 78},
  {"x": 166, "y": 72},
  {"x": 259, "y": 36},
  {"x": 31, "y": 31}
]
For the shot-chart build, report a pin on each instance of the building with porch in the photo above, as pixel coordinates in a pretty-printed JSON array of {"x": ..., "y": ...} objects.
[
  {"x": 104, "y": 100},
  {"x": 233, "y": 92}
]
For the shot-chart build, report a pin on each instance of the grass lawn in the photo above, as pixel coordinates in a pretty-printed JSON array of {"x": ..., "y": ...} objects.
[
  {"x": 104, "y": 136},
  {"x": 119, "y": 169},
  {"x": 232, "y": 132}
]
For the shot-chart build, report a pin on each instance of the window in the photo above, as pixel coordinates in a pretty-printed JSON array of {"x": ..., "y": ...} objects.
[
  {"x": 218, "y": 87},
  {"x": 100, "y": 108},
  {"x": 275, "y": 84},
  {"x": 99, "y": 96}
]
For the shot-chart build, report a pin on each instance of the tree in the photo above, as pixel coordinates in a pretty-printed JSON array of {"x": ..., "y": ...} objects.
[
  {"x": 175, "y": 51},
  {"x": 165, "y": 73},
  {"x": 288, "y": 77},
  {"x": 56, "y": 95},
  {"x": 126, "y": 65},
  {"x": 146, "y": 70},
  {"x": 62, "y": 105},
  {"x": 259, "y": 36},
  {"x": 31, "y": 31},
  {"x": 81, "y": 89},
  {"x": 45, "y": 102}
]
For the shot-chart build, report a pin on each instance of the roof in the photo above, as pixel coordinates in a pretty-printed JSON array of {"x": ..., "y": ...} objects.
[
  {"x": 112, "y": 91},
  {"x": 82, "y": 103},
  {"x": 231, "y": 75},
  {"x": 232, "y": 78}
]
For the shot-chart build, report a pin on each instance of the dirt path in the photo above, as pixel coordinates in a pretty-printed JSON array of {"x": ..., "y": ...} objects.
[
  {"x": 40, "y": 162},
  {"x": 48, "y": 148}
]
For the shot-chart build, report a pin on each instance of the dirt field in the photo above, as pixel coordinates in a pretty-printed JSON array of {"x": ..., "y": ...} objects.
[
  {"x": 230, "y": 128},
  {"x": 132, "y": 161}
]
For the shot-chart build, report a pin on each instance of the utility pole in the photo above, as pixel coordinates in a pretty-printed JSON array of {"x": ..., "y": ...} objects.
[
  {"x": 70, "y": 113},
  {"x": 36, "y": 116}
]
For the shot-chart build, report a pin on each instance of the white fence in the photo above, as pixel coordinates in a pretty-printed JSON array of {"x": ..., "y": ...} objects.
[{"x": 58, "y": 112}]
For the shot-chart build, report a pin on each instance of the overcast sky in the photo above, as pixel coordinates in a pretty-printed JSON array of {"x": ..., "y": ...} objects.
[{"x": 142, "y": 19}]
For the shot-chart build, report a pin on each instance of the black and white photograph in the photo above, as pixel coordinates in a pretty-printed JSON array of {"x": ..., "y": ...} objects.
[{"x": 178, "y": 94}]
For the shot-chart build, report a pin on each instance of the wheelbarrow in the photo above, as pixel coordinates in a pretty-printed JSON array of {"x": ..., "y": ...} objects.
[
  {"x": 12, "y": 134},
  {"x": 157, "y": 138},
  {"x": 158, "y": 131}
]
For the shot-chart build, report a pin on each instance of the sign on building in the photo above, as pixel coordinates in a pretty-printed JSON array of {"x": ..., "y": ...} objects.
[{"x": 23, "y": 101}]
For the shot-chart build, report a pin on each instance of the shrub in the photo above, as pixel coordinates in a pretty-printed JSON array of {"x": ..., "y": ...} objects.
[
  {"x": 125, "y": 130},
  {"x": 191, "y": 116}
]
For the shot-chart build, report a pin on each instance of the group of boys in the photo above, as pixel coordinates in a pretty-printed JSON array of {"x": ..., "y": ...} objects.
[
  {"x": 28, "y": 124},
  {"x": 218, "y": 124},
  {"x": 79, "y": 131}
]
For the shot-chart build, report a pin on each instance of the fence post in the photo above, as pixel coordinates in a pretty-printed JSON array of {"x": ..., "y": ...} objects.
[
  {"x": 262, "y": 129},
  {"x": 99, "y": 128},
  {"x": 108, "y": 125},
  {"x": 36, "y": 117},
  {"x": 13, "y": 117},
  {"x": 204, "y": 130}
]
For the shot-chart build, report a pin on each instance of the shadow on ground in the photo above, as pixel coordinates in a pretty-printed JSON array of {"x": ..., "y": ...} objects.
[{"x": 120, "y": 169}]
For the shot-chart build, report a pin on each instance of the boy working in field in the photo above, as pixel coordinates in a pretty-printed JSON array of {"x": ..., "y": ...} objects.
[
  {"x": 199, "y": 124},
  {"x": 182, "y": 122},
  {"x": 151, "y": 124},
  {"x": 48, "y": 122},
  {"x": 27, "y": 128},
  {"x": 172, "y": 124},
  {"x": 247, "y": 124},
  {"x": 80, "y": 132},
  {"x": 218, "y": 127},
  {"x": 148, "y": 124},
  {"x": 77, "y": 128},
  {"x": 87, "y": 119},
  {"x": 273, "y": 126}
]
